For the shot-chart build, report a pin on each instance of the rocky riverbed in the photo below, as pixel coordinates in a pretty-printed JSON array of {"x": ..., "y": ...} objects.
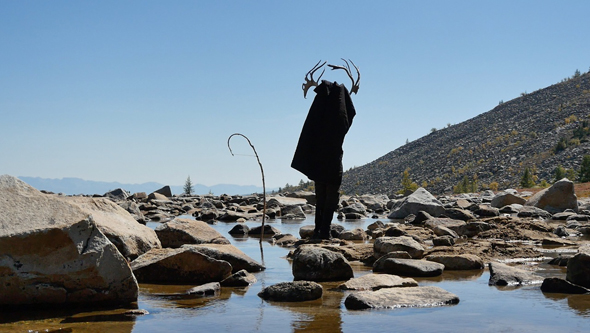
[{"x": 410, "y": 238}]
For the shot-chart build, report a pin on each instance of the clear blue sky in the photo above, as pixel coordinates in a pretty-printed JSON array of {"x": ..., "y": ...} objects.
[{"x": 138, "y": 91}]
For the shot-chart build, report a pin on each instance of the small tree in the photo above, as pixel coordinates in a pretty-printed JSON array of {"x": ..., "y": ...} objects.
[
  {"x": 188, "y": 186},
  {"x": 527, "y": 179},
  {"x": 584, "y": 175},
  {"x": 558, "y": 173},
  {"x": 407, "y": 184}
]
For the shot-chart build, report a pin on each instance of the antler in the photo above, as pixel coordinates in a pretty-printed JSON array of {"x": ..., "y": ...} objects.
[
  {"x": 355, "y": 85},
  {"x": 311, "y": 82}
]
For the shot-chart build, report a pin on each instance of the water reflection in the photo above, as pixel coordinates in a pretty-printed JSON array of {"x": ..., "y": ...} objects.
[
  {"x": 579, "y": 303},
  {"x": 322, "y": 315}
]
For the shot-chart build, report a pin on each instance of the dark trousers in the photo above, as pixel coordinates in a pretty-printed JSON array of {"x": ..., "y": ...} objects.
[{"x": 327, "y": 198}]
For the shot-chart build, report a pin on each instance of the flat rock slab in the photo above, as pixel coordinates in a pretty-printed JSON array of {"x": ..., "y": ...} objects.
[
  {"x": 180, "y": 266},
  {"x": 457, "y": 262},
  {"x": 228, "y": 252},
  {"x": 393, "y": 298},
  {"x": 384, "y": 245},
  {"x": 504, "y": 275},
  {"x": 373, "y": 281},
  {"x": 297, "y": 291},
  {"x": 182, "y": 231},
  {"x": 410, "y": 267}
]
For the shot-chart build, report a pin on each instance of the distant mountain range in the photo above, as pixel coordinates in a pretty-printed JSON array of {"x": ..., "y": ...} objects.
[{"x": 74, "y": 186}]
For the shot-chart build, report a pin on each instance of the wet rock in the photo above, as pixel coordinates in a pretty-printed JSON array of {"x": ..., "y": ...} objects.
[
  {"x": 393, "y": 298},
  {"x": 354, "y": 234},
  {"x": 504, "y": 275},
  {"x": 318, "y": 264},
  {"x": 578, "y": 217},
  {"x": 292, "y": 212},
  {"x": 354, "y": 216},
  {"x": 241, "y": 278},
  {"x": 231, "y": 216},
  {"x": 376, "y": 225},
  {"x": 355, "y": 208},
  {"x": 182, "y": 231},
  {"x": 457, "y": 262},
  {"x": 285, "y": 239},
  {"x": 297, "y": 291},
  {"x": 410, "y": 267},
  {"x": 559, "y": 261},
  {"x": 557, "y": 198},
  {"x": 306, "y": 231},
  {"x": 420, "y": 200},
  {"x": 557, "y": 285},
  {"x": 578, "y": 268},
  {"x": 239, "y": 230},
  {"x": 506, "y": 198},
  {"x": 268, "y": 231},
  {"x": 228, "y": 252},
  {"x": 373, "y": 281},
  {"x": 208, "y": 289},
  {"x": 180, "y": 266},
  {"x": 384, "y": 245}
]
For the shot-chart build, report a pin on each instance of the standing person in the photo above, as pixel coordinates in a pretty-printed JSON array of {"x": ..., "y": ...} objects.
[{"x": 319, "y": 150}]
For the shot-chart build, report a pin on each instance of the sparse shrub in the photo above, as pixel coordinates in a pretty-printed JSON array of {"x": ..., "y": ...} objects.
[
  {"x": 407, "y": 184},
  {"x": 584, "y": 175},
  {"x": 466, "y": 185},
  {"x": 527, "y": 179},
  {"x": 493, "y": 186},
  {"x": 558, "y": 173}
]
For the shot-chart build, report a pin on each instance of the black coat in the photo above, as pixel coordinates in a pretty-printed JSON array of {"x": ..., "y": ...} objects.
[{"x": 319, "y": 150}]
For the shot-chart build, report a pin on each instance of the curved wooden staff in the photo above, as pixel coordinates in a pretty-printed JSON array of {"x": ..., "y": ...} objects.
[{"x": 261, "y": 171}]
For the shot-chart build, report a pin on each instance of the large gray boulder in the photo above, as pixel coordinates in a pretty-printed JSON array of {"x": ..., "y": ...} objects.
[
  {"x": 297, "y": 291},
  {"x": 410, "y": 267},
  {"x": 415, "y": 202},
  {"x": 64, "y": 265},
  {"x": 506, "y": 198},
  {"x": 578, "y": 268},
  {"x": 182, "y": 231},
  {"x": 180, "y": 266},
  {"x": 393, "y": 298},
  {"x": 318, "y": 264},
  {"x": 374, "y": 281},
  {"x": 504, "y": 275},
  {"x": 384, "y": 245},
  {"x": 557, "y": 198},
  {"x": 53, "y": 252}
]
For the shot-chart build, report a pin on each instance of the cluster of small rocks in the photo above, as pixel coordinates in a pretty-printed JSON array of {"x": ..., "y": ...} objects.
[{"x": 414, "y": 236}]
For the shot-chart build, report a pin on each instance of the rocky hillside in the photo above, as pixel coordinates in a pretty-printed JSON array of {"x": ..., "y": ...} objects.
[{"x": 495, "y": 147}]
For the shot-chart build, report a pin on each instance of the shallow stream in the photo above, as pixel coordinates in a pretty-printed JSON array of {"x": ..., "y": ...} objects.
[{"x": 482, "y": 308}]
